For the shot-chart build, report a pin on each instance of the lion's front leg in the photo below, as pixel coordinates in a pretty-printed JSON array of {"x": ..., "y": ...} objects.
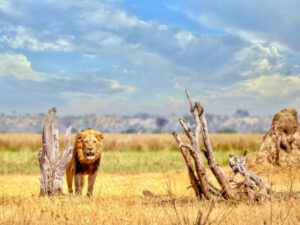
[
  {"x": 70, "y": 175},
  {"x": 78, "y": 180},
  {"x": 91, "y": 182}
]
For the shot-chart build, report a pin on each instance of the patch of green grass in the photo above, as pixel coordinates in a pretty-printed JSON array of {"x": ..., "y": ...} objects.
[
  {"x": 19, "y": 162},
  {"x": 138, "y": 162},
  {"x": 26, "y": 162}
]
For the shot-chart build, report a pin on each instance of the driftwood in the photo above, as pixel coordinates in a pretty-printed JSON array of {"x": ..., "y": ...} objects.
[
  {"x": 198, "y": 176},
  {"x": 238, "y": 166},
  {"x": 53, "y": 167}
]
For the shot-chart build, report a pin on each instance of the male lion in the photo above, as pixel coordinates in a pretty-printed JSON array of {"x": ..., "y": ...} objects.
[{"x": 85, "y": 160}]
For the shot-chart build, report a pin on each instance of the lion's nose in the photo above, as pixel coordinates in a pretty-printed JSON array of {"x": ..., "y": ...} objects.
[{"x": 90, "y": 149}]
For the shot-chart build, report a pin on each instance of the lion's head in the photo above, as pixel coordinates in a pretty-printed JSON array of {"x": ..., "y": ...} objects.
[{"x": 88, "y": 145}]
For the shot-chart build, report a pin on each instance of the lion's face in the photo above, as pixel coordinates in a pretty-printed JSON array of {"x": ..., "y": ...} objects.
[{"x": 89, "y": 145}]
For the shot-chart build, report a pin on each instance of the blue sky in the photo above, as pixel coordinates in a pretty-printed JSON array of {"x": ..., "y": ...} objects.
[{"x": 124, "y": 57}]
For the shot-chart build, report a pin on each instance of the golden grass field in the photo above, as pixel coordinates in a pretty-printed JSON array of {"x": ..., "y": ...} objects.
[
  {"x": 140, "y": 142},
  {"x": 118, "y": 197}
]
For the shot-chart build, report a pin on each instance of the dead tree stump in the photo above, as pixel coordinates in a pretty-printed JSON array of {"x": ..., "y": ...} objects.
[{"x": 53, "y": 167}]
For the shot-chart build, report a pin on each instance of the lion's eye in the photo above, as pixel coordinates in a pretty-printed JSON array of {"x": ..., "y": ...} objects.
[
  {"x": 95, "y": 142},
  {"x": 86, "y": 142}
]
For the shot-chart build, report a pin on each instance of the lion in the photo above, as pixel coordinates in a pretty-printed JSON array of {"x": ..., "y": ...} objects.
[{"x": 85, "y": 160}]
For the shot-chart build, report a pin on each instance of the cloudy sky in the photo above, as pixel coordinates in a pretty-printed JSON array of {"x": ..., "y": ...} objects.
[{"x": 130, "y": 56}]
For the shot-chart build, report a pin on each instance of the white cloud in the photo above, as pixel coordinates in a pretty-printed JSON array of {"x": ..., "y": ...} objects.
[
  {"x": 16, "y": 69},
  {"x": 268, "y": 21},
  {"x": 115, "y": 85},
  {"x": 216, "y": 66},
  {"x": 6, "y": 7},
  {"x": 257, "y": 60},
  {"x": 97, "y": 29},
  {"x": 20, "y": 37},
  {"x": 260, "y": 95},
  {"x": 17, "y": 65},
  {"x": 185, "y": 38},
  {"x": 275, "y": 85}
]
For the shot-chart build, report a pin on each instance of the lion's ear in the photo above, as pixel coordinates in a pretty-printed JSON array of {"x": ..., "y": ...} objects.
[
  {"x": 100, "y": 136},
  {"x": 79, "y": 137}
]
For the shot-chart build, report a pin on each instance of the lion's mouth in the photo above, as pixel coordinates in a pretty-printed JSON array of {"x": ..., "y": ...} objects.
[{"x": 90, "y": 155}]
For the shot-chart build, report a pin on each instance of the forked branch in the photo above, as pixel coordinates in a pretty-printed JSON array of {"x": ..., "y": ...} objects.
[
  {"x": 193, "y": 148},
  {"x": 198, "y": 176}
]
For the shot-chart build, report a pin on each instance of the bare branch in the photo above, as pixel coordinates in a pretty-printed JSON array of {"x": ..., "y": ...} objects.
[
  {"x": 189, "y": 99},
  {"x": 238, "y": 166},
  {"x": 185, "y": 145},
  {"x": 214, "y": 166},
  {"x": 193, "y": 112},
  {"x": 187, "y": 129},
  {"x": 194, "y": 182}
]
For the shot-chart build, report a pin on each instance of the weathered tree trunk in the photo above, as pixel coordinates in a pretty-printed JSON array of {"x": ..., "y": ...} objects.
[{"x": 52, "y": 166}]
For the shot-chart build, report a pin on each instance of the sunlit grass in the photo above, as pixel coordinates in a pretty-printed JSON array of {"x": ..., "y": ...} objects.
[
  {"x": 130, "y": 165},
  {"x": 118, "y": 199}
]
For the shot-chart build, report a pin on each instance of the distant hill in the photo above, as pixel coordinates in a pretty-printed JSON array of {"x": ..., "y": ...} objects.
[{"x": 130, "y": 124}]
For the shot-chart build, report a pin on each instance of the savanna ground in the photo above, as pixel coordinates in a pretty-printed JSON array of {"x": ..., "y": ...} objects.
[{"x": 131, "y": 165}]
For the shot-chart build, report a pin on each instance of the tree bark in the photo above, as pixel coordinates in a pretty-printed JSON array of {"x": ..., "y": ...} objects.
[
  {"x": 214, "y": 166},
  {"x": 194, "y": 181},
  {"x": 53, "y": 166}
]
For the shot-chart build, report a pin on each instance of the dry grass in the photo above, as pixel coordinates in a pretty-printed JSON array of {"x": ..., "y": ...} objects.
[
  {"x": 118, "y": 199},
  {"x": 141, "y": 142}
]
